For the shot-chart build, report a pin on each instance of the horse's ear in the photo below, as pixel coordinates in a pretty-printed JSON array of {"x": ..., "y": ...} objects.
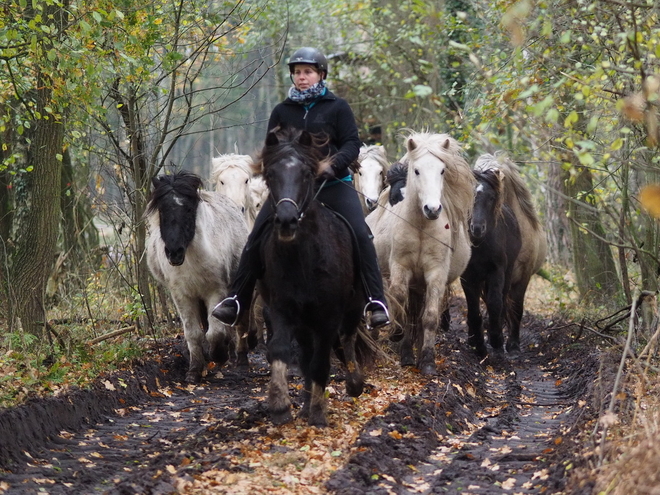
[
  {"x": 500, "y": 175},
  {"x": 446, "y": 144},
  {"x": 305, "y": 138},
  {"x": 411, "y": 145},
  {"x": 155, "y": 180},
  {"x": 257, "y": 167},
  {"x": 271, "y": 138}
]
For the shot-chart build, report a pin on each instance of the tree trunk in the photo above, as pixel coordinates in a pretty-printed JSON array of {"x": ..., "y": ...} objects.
[
  {"x": 39, "y": 221},
  {"x": 557, "y": 225},
  {"x": 593, "y": 260}
]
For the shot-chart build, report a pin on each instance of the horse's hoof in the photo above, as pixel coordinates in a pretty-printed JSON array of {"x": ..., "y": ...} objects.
[
  {"x": 354, "y": 389},
  {"x": 242, "y": 362},
  {"x": 219, "y": 355},
  {"x": 407, "y": 361},
  {"x": 513, "y": 347},
  {"x": 480, "y": 350},
  {"x": 194, "y": 377},
  {"x": 318, "y": 419},
  {"x": 428, "y": 369},
  {"x": 281, "y": 417}
]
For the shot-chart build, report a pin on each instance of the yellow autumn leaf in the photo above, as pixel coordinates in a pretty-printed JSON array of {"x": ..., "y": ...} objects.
[{"x": 650, "y": 199}]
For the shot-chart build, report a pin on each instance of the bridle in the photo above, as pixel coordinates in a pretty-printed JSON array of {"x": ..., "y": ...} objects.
[{"x": 304, "y": 205}]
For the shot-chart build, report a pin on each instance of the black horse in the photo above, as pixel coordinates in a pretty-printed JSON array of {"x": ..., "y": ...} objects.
[
  {"x": 310, "y": 283},
  {"x": 496, "y": 242}
]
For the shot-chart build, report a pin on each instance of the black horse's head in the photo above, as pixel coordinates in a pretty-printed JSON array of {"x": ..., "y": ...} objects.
[
  {"x": 176, "y": 197},
  {"x": 291, "y": 160},
  {"x": 487, "y": 202}
]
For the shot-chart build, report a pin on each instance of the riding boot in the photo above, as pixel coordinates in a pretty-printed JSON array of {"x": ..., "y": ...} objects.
[
  {"x": 373, "y": 284},
  {"x": 250, "y": 268}
]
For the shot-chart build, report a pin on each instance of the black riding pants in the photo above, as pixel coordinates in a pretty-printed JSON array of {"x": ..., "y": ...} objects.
[{"x": 342, "y": 198}]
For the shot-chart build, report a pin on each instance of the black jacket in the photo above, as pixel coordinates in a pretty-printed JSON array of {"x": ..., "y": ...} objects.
[{"x": 330, "y": 115}]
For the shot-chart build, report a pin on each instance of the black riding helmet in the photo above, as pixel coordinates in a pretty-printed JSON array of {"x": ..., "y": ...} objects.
[{"x": 312, "y": 56}]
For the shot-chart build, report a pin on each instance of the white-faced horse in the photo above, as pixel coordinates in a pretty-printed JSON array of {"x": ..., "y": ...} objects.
[
  {"x": 231, "y": 175},
  {"x": 423, "y": 243},
  {"x": 534, "y": 244},
  {"x": 259, "y": 192},
  {"x": 194, "y": 244},
  {"x": 369, "y": 180}
]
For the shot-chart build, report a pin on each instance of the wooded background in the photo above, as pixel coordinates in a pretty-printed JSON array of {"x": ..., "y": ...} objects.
[{"x": 97, "y": 97}]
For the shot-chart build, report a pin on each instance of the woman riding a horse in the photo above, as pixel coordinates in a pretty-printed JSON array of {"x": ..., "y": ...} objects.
[{"x": 312, "y": 107}]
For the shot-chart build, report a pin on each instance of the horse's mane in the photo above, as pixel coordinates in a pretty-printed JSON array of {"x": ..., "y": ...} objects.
[
  {"x": 458, "y": 177},
  {"x": 493, "y": 179},
  {"x": 288, "y": 142},
  {"x": 184, "y": 183},
  {"x": 515, "y": 188},
  {"x": 377, "y": 152},
  {"x": 223, "y": 162}
]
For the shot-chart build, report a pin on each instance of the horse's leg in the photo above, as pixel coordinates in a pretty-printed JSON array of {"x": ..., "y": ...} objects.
[
  {"x": 319, "y": 373},
  {"x": 279, "y": 349},
  {"x": 412, "y": 332},
  {"x": 495, "y": 306},
  {"x": 243, "y": 345},
  {"x": 445, "y": 319},
  {"x": 188, "y": 310},
  {"x": 515, "y": 313},
  {"x": 435, "y": 291},
  {"x": 354, "y": 377},
  {"x": 399, "y": 288},
  {"x": 472, "y": 290}
]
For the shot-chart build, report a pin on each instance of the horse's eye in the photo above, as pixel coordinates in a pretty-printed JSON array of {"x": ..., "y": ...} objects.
[
  {"x": 416, "y": 172},
  {"x": 443, "y": 172},
  {"x": 222, "y": 182},
  {"x": 247, "y": 180},
  {"x": 359, "y": 173}
]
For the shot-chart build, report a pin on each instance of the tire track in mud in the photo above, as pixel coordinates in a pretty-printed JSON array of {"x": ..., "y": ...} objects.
[
  {"x": 506, "y": 452},
  {"x": 128, "y": 451},
  {"x": 488, "y": 427}
]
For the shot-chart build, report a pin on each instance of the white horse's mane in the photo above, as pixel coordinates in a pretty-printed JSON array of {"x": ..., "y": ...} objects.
[
  {"x": 514, "y": 185},
  {"x": 458, "y": 177},
  {"x": 222, "y": 162},
  {"x": 377, "y": 152}
]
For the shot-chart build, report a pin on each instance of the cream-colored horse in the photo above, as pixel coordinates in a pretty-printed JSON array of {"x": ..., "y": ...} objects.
[
  {"x": 534, "y": 244},
  {"x": 231, "y": 175},
  {"x": 422, "y": 242},
  {"x": 369, "y": 180}
]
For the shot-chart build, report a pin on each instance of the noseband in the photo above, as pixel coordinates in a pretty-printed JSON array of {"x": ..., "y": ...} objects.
[{"x": 305, "y": 205}]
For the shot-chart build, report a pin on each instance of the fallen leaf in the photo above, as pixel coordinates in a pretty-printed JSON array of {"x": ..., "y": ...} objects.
[
  {"x": 509, "y": 483},
  {"x": 395, "y": 435}
]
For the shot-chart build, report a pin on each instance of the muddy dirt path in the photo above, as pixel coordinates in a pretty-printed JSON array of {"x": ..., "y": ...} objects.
[{"x": 497, "y": 426}]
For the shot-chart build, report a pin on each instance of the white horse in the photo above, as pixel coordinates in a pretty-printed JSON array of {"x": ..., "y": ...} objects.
[
  {"x": 370, "y": 178},
  {"x": 534, "y": 243},
  {"x": 423, "y": 243},
  {"x": 259, "y": 192},
  {"x": 194, "y": 244},
  {"x": 231, "y": 175}
]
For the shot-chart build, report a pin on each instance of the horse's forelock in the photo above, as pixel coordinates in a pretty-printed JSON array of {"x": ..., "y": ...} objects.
[
  {"x": 458, "y": 177},
  {"x": 515, "y": 188},
  {"x": 493, "y": 179},
  {"x": 377, "y": 152},
  {"x": 288, "y": 143},
  {"x": 223, "y": 162},
  {"x": 183, "y": 184}
]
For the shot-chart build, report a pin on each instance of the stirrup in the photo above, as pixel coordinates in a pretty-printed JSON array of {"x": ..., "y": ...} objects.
[
  {"x": 383, "y": 307},
  {"x": 238, "y": 308}
]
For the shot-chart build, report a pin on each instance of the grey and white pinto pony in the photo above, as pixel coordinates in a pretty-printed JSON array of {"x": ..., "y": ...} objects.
[
  {"x": 369, "y": 179},
  {"x": 194, "y": 243}
]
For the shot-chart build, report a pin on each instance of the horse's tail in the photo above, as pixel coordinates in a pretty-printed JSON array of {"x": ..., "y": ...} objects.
[{"x": 367, "y": 351}]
